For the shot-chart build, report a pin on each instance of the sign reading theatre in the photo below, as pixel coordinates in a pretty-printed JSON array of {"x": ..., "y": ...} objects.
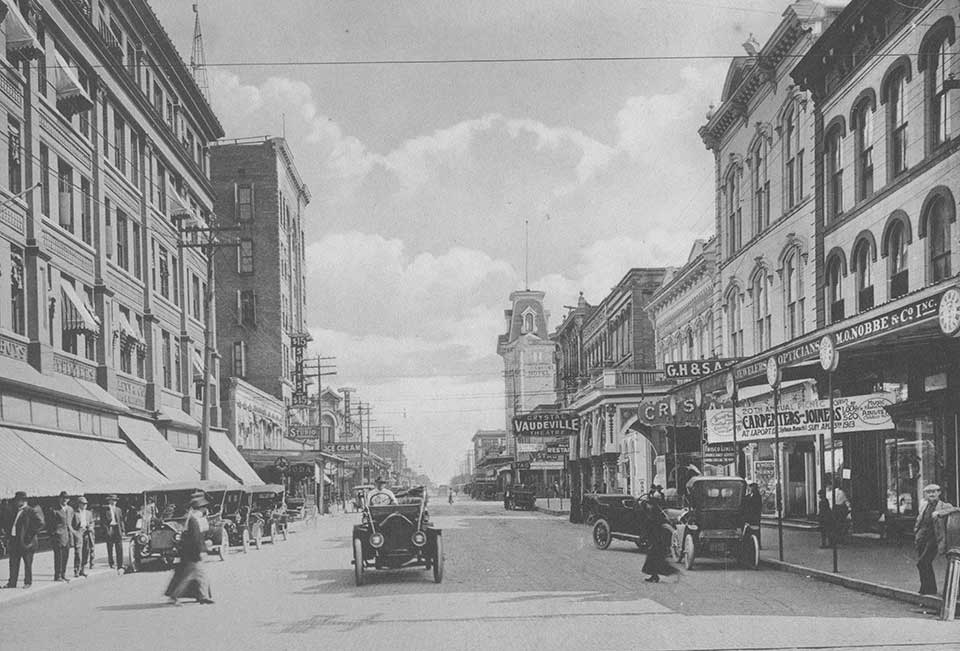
[{"x": 561, "y": 423}]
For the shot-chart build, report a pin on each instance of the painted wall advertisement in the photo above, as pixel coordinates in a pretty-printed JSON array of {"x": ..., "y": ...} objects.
[{"x": 757, "y": 422}]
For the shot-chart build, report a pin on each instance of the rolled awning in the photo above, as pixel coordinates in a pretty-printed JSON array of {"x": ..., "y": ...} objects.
[
  {"x": 21, "y": 39},
  {"x": 180, "y": 208},
  {"x": 130, "y": 332},
  {"x": 71, "y": 95},
  {"x": 77, "y": 317},
  {"x": 197, "y": 365}
]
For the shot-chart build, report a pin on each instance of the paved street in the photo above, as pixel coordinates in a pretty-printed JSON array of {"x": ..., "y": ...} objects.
[{"x": 526, "y": 580}]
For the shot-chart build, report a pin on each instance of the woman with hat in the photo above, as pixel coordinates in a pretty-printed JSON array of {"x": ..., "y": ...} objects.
[{"x": 189, "y": 579}]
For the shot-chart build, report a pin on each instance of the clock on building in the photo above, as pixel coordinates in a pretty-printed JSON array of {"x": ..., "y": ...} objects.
[
  {"x": 949, "y": 313},
  {"x": 773, "y": 372},
  {"x": 829, "y": 357}
]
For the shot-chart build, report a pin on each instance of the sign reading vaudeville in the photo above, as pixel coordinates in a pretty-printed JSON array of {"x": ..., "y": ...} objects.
[
  {"x": 756, "y": 422},
  {"x": 696, "y": 368},
  {"x": 562, "y": 423}
]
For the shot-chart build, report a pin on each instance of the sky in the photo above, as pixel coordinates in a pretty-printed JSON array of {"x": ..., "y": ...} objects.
[{"x": 427, "y": 146}]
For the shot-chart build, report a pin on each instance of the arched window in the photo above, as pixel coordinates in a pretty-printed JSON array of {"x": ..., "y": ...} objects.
[
  {"x": 833, "y": 174},
  {"x": 897, "y": 248},
  {"x": 735, "y": 323},
  {"x": 733, "y": 211},
  {"x": 938, "y": 230},
  {"x": 760, "y": 186},
  {"x": 528, "y": 322},
  {"x": 793, "y": 294},
  {"x": 327, "y": 428},
  {"x": 863, "y": 147},
  {"x": 895, "y": 87},
  {"x": 835, "y": 289},
  {"x": 934, "y": 61},
  {"x": 793, "y": 157},
  {"x": 761, "y": 312},
  {"x": 863, "y": 268}
]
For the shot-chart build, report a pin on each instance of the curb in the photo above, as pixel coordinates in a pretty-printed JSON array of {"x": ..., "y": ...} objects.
[
  {"x": 551, "y": 511},
  {"x": 855, "y": 584},
  {"x": 39, "y": 591}
]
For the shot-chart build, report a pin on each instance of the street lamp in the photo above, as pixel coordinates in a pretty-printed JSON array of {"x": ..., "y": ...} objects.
[
  {"x": 829, "y": 360},
  {"x": 676, "y": 456},
  {"x": 773, "y": 379}
]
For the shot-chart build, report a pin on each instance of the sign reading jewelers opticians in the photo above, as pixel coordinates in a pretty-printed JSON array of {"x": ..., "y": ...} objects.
[
  {"x": 561, "y": 423},
  {"x": 756, "y": 422}
]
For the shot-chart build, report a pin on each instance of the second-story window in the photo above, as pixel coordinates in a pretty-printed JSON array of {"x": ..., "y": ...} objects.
[
  {"x": 44, "y": 180},
  {"x": 164, "y": 271},
  {"x": 761, "y": 312},
  {"x": 733, "y": 210},
  {"x": 897, "y": 117},
  {"x": 735, "y": 323},
  {"x": 835, "y": 289},
  {"x": 897, "y": 249},
  {"x": 123, "y": 242},
  {"x": 793, "y": 158},
  {"x": 119, "y": 143},
  {"x": 834, "y": 172},
  {"x": 863, "y": 146},
  {"x": 65, "y": 195},
  {"x": 14, "y": 157},
  {"x": 793, "y": 294},
  {"x": 938, "y": 230},
  {"x": 863, "y": 268},
  {"x": 86, "y": 214},
  {"x": 760, "y": 188}
]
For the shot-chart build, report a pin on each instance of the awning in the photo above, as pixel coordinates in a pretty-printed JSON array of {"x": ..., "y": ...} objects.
[
  {"x": 151, "y": 444},
  {"x": 22, "y": 468},
  {"x": 216, "y": 474},
  {"x": 197, "y": 365},
  {"x": 180, "y": 208},
  {"x": 77, "y": 317},
  {"x": 179, "y": 419},
  {"x": 61, "y": 387},
  {"x": 21, "y": 38},
  {"x": 231, "y": 459},
  {"x": 91, "y": 465},
  {"x": 130, "y": 334},
  {"x": 71, "y": 95}
]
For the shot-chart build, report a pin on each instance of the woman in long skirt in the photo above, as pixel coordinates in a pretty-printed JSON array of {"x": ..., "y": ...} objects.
[
  {"x": 189, "y": 579},
  {"x": 654, "y": 520}
]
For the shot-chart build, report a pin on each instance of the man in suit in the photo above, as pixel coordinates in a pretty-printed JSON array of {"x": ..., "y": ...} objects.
[
  {"x": 24, "y": 527},
  {"x": 929, "y": 534},
  {"x": 62, "y": 536},
  {"x": 83, "y": 550},
  {"x": 113, "y": 522}
]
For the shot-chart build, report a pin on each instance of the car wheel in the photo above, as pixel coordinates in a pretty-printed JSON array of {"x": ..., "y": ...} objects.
[
  {"x": 245, "y": 540},
  {"x": 750, "y": 551},
  {"x": 601, "y": 534},
  {"x": 358, "y": 561},
  {"x": 438, "y": 559},
  {"x": 689, "y": 552}
]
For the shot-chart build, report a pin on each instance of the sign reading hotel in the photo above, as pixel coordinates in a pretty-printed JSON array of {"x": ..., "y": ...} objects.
[
  {"x": 696, "y": 368},
  {"x": 757, "y": 422},
  {"x": 563, "y": 423}
]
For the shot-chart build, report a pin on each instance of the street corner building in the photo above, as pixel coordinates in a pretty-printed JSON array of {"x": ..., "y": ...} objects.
[{"x": 105, "y": 185}]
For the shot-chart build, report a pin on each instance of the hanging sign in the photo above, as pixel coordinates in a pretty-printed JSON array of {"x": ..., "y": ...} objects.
[
  {"x": 561, "y": 423},
  {"x": 757, "y": 422}
]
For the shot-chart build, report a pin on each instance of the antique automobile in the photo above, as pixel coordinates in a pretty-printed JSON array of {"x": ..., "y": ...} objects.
[
  {"x": 296, "y": 508},
  {"x": 235, "y": 516},
  {"x": 396, "y": 536},
  {"x": 713, "y": 524},
  {"x": 163, "y": 518},
  {"x": 268, "y": 513},
  {"x": 519, "y": 497},
  {"x": 597, "y": 505},
  {"x": 622, "y": 519},
  {"x": 360, "y": 495},
  {"x": 484, "y": 489}
]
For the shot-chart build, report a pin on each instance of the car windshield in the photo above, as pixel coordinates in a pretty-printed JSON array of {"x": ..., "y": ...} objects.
[
  {"x": 232, "y": 502},
  {"x": 720, "y": 497},
  {"x": 171, "y": 505},
  {"x": 263, "y": 501}
]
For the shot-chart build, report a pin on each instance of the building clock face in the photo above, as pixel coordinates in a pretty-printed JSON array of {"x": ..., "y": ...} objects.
[
  {"x": 773, "y": 372},
  {"x": 949, "y": 314},
  {"x": 828, "y": 353}
]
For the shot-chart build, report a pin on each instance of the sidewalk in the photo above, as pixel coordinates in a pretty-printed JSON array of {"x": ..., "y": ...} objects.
[
  {"x": 864, "y": 562},
  {"x": 43, "y": 575},
  {"x": 553, "y": 505}
]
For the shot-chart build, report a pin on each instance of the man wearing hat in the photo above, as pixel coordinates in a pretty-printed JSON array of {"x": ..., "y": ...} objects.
[
  {"x": 26, "y": 524},
  {"x": 113, "y": 523},
  {"x": 381, "y": 496},
  {"x": 62, "y": 536},
  {"x": 929, "y": 535},
  {"x": 83, "y": 548}
]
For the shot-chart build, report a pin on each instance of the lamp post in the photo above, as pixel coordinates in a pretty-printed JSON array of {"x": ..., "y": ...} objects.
[
  {"x": 829, "y": 360},
  {"x": 676, "y": 455},
  {"x": 732, "y": 392},
  {"x": 773, "y": 379},
  {"x": 698, "y": 402}
]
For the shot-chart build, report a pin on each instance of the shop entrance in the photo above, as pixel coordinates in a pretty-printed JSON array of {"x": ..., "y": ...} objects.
[{"x": 800, "y": 476}]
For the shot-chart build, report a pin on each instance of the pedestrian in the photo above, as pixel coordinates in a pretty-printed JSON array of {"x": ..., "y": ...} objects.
[
  {"x": 62, "y": 536},
  {"x": 83, "y": 547},
  {"x": 189, "y": 579},
  {"x": 116, "y": 530},
  {"x": 825, "y": 517},
  {"x": 26, "y": 523},
  {"x": 654, "y": 521},
  {"x": 842, "y": 516},
  {"x": 753, "y": 508},
  {"x": 929, "y": 536}
]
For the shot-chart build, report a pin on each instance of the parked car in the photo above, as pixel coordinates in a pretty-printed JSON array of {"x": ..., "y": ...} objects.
[
  {"x": 622, "y": 519},
  {"x": 268, "y": 513},
  {"x": 519, "y": 497},
  {"x": 596, "y": 505},
  {"x": 714, "y": 523},
  {"x": 397, "y": 536},
  {"x": 235, "y": 516}
]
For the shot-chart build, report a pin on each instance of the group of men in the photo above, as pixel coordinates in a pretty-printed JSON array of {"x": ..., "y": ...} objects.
[{"x": 69, "y": 528}]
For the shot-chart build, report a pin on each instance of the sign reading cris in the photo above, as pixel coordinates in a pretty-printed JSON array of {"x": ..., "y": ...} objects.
[{"x": 561, "y": 423}]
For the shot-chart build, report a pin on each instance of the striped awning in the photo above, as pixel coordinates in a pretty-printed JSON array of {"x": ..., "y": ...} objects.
[
  {"x": 77, "y": 316},
  {"x": 130, "y": 334},
  {"x": 71, "y": 95},
  {"x": 21, "y": 39},
  {"x": 197, "y": 365}
]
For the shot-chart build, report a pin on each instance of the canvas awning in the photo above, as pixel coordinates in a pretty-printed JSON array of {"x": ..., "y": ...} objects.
[
  {"x": 228, "y": 455},
  {"x": 151, "y": 444},
  {"x": 21, "y": 39},
  {"x": 77, "y": 317},
  {"x": 71, "y": 95},
  {"x": 197, "y": 365},
  {"x": 129, "y": 332},
  {"x": 180, "y": 208},
  {"x": 215, "y": 473}
]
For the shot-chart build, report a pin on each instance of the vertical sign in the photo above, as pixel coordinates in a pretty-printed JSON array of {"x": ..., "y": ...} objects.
[{"x": 299, "y": 345}]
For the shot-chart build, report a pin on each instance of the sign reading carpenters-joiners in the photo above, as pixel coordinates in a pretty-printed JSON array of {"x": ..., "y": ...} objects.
[
  {"x": 696, "y": 368},
  {"x": 562, "y": 423}
]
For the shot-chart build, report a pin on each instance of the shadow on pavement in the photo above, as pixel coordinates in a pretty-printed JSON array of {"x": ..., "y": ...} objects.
[{"x": 149, "y": 606}]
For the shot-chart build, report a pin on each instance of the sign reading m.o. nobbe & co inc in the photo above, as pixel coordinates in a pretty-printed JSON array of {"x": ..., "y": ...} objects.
[
  {"x": 756, "y": 422},
  {"x": 561, "y": 423}
]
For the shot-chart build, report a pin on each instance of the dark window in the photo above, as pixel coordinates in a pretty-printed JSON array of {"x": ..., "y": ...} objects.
[
  {"x": 863, "y": 266},
  {"x": 135, "y": 249},
  {"x": 898, "y": 125},
  {"x": 65, "y": 195},
  {"x": 44, "y": 180},
  {"x": 245, "y": 257},
  {"x": 899, "y": 274},
  {"x": 119, "y": 143},
  {"x": 834, "y": 173},
  {"x": 863, "y": 143},
  {"x": 938, "y": 99},
  {"x": 123, "y": 242},
  {"x": 247, "y": 307},
  {"x": 938, "y": 228},
  {"x": 18, "y": 313},
  {"x": 240, "y": 359},
  {"x": 244, "y": 203},
  {"x": 86, "y": 217},
  {"x": 835, "y": 289}
]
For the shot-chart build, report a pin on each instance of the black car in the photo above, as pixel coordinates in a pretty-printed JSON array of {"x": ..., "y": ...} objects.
[{"x": 622, "y": 519}]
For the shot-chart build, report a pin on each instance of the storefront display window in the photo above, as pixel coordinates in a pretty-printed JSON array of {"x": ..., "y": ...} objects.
[{"x": 913, "y": 460}]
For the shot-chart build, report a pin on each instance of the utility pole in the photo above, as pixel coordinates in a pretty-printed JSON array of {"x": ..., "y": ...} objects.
[
  {"x": 209, "y": 247},
  {"x": 320, "y": 488}
]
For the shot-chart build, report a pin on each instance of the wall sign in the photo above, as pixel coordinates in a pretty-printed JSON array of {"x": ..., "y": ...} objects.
[
  {"x": 562, "y": 423},
  {"x": 696, "y": 368}
]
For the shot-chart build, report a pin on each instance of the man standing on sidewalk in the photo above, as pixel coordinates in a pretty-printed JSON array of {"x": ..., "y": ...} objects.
[
  {"x": 62, "y": 536},
  {"x": 83, "y": 551},
  {"x": 928, "y": 535},
  {"x": 113, "y": 521},
  {"x": 26, "y": 524}
]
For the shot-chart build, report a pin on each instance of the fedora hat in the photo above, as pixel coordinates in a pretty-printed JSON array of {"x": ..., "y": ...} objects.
[
  {"x": 111, "y": 498},
  {"x": 20, "y": 495},
  {"x": 198, "y": 501},
  {"x": 64, "y": 494}
]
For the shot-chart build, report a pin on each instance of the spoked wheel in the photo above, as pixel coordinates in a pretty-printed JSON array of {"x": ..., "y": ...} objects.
[
  {"x": 750, "y": 551},
  {"x": 358, "y": 561},
  {"x": 438, "y": 560},
  {"x": 245, "y": 540},
  {"x": 676, "y": 546},
  {"x": 689, "y": 552},
  {"x": 601, "y": 534}
]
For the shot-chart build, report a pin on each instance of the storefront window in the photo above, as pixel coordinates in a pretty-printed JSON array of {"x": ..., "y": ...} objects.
[{"x": 913, "y": 460}]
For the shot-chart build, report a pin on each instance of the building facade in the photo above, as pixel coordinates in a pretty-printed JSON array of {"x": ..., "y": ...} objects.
[{"x": 107, "y": 164}]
